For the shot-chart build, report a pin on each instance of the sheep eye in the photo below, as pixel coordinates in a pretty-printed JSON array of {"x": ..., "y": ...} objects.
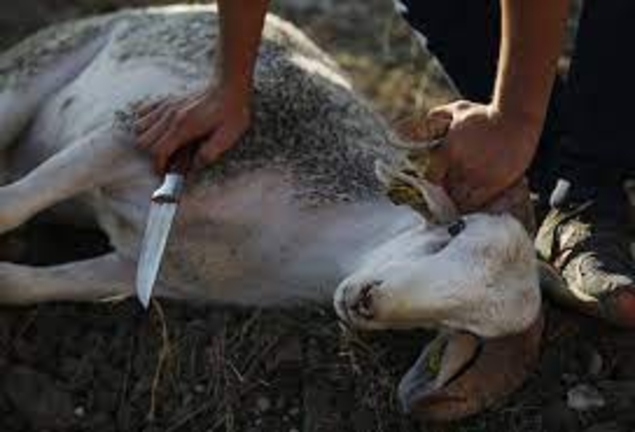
[{"x": 456, "y": 227}]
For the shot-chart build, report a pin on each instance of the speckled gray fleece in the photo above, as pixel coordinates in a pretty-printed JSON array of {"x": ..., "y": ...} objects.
[{"x": 308, "y": 124}]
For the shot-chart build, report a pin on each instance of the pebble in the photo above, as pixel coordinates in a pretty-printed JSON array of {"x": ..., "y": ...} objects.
[
  {"x": 263, "y": 404},
  {"x": 79, "y": 411},
  {"x": 584, "y": 397}
]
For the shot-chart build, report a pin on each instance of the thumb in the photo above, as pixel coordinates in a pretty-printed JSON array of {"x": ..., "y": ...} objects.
[{"x": 439, "y": 120}]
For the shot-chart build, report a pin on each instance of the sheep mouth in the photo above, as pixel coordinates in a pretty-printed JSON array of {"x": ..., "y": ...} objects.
[{"x": 352, "y": 311}]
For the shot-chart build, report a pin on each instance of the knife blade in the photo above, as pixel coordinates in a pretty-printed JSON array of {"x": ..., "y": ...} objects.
[{"x": 163, "y": 206}]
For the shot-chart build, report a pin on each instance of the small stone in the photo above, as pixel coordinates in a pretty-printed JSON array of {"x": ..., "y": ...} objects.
[
  {"x": 294, "y": 411},
  {"x": 199, "y": 388},
  {"x": 584, "y": 398},
  {"x": 263, "y": 404},
  {"x": 596, "y": 364},
  {"x": 79, "y": 411}
]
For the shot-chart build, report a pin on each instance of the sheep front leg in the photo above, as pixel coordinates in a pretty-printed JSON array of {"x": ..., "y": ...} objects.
[{"x": 95, "y": 160}]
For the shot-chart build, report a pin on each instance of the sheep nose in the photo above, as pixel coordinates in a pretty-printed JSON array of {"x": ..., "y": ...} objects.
[{"x": 363, "y": 304}]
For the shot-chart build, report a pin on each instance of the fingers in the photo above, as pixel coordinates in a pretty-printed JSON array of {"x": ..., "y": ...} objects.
[
  {"x": 146, "y": 115},
  {"x": 143, "y": 109},
  {"x": 446, "y": 172},
  {"x": 469, "y": 195},
  {"x": 465, "y": 198},
  {"x": 440, "y": 119},
  {"x": 166, "y": 125},
  {"x": 153, "y": 125},
  {"x": 221, "y": 141},
  {"x": 434, "y": 126},
  {"x": 165, "y": 145},
  {"x": 438, "y": 122}
]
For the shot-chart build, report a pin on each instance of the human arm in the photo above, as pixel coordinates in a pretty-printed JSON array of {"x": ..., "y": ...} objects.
[
  {"x": 489, "y": 146},
  {"x": 220, "y": 113}
]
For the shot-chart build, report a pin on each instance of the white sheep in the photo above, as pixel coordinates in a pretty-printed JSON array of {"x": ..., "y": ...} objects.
[{"x": 287, "y": 215}]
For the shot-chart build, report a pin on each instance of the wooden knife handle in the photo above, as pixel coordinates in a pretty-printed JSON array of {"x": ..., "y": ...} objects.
[{"x": 181, "y": 160}]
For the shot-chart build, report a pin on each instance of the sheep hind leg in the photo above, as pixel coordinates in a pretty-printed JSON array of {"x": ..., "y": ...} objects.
[
  {"x": 95, "y": 279},
  {"x": 19, "y": 103}
]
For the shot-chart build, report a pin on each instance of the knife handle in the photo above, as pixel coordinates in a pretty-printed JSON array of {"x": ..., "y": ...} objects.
[
  {"x": 179, "y": 165},
  {"x": 181, "y": 160}
]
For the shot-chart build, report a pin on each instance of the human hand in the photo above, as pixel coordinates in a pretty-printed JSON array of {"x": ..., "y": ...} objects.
[
  {"x": 217, "y": 115},
  {"x": 484, "y": 151}
]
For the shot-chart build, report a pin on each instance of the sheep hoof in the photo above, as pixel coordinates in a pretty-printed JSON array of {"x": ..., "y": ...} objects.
[{"x": 458, "y": 375}]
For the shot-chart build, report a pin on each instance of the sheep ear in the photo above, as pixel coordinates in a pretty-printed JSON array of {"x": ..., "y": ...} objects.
[
  {"x": 553, "y": 285},
  {"x": 448, "y": 357},
  {"x": 409, "y": 187}
]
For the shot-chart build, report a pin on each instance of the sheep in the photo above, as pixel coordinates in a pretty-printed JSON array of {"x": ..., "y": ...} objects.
[{"x": 296, "y": 212}]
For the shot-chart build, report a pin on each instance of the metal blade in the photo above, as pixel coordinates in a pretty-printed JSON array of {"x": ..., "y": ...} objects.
[{"x": 152, "y": 248}]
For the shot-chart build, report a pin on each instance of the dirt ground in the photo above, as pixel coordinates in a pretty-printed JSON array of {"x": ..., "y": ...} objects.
[{"x": 110, "y": 367}]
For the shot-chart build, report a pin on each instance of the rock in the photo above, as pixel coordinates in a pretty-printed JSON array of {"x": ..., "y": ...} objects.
[
  {"x": 263, "y": 404},
  {"x": 583, "y": 397},
  {"x": 39, "y": 399}
]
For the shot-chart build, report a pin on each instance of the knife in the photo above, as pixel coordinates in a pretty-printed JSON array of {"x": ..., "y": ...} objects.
[{"x": 163, "y": 207}]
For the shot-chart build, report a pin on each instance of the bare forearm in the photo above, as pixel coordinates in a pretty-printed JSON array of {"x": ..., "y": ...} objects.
[
  {"x": 532, "y": 34},
  {"x": 488, "y": 147},
  {"x": 241, "y": 23}
]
